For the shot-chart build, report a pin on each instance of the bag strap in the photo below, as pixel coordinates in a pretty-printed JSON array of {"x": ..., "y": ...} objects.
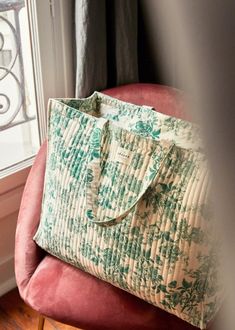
[{"x": 158, "y": 156}]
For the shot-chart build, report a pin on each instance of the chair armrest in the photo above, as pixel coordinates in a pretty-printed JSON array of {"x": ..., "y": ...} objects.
[{"x": 27, "y": 254}]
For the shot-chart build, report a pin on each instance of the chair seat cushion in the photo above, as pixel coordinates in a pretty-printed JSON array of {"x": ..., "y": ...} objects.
[{"x": 74, "y": 297}]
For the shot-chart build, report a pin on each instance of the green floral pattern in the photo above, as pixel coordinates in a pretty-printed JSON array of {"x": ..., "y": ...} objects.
[{"x": 126, "y": 198}]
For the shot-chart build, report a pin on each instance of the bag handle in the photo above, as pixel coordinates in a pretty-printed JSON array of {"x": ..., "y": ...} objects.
[{"x": 157, "y": 158}]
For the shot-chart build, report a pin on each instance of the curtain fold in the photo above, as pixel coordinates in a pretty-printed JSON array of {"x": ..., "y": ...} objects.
[{"x": 106, "y": 44}]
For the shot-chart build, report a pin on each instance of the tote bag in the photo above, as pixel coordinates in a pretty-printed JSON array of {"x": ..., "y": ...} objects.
[{"x": 126, "y": 198}]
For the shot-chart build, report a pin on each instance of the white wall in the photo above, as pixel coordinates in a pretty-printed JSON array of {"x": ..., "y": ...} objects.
[{"x": 10, "y": 197}]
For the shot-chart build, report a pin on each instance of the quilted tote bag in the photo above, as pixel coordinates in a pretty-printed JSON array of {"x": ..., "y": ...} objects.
[{"x": 126, "y": 198}]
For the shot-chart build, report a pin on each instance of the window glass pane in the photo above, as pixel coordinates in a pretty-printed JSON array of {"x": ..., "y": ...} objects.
[{"x": 19, "y": 137}]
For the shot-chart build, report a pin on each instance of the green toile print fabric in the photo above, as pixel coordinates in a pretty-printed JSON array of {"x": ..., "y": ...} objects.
[{"x": 126, "y": 198}]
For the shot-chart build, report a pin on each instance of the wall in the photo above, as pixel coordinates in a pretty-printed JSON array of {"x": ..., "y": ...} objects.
[{"x": 10, "y": 196}]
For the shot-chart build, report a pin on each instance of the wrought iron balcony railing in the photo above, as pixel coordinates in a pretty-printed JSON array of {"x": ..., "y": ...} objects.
[{"x": 13, "y": 90}]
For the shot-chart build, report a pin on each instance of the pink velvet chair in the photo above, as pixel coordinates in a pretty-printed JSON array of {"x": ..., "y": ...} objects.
[{"x": 64, "y": 293}]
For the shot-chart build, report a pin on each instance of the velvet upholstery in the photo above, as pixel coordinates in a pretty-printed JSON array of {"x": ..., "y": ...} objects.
[
  {"x": 67, "y": 294},
  {"x": 164, "y": 99}
]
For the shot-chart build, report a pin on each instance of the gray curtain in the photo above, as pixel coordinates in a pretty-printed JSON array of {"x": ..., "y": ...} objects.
[{"x": 106, "y": 44}]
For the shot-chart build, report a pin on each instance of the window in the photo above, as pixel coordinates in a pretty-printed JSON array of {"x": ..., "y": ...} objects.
[
  {"x": 36, "y": 62},
  {"x": 19, "y": 136}
]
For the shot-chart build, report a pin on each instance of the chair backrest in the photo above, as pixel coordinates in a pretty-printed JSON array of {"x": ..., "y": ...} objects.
[{"x": 167, "y": 100}]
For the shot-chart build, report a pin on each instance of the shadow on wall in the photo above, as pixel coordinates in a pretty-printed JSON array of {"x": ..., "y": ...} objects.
[{"x": 194, "y": 41}]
